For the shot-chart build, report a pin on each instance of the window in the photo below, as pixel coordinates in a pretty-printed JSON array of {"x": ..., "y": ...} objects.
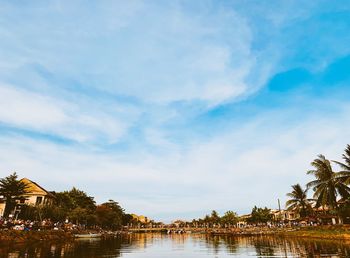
[{"x": 39, "y": 200}]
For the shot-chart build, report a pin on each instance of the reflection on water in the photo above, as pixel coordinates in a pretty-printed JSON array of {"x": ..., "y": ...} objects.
[{"x": 188, "y": 245}]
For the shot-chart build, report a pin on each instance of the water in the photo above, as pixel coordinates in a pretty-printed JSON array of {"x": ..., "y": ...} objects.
[{"x": 183, "y": 246}]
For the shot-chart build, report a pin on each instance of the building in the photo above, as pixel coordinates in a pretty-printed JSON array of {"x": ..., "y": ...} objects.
[
  {"x": 284, "y": 215},
  {"x": 36, "y": 195},
  {"x": 141, "y": 218}
]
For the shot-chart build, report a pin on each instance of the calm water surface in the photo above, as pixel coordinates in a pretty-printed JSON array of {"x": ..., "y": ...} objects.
[{"x": 184, "y": 246}]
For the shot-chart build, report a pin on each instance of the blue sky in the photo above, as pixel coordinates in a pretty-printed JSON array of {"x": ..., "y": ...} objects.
[{"x": 173, "y": 108}]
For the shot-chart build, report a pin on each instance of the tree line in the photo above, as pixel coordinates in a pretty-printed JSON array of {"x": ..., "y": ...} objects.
[
  {"x": 331, "y": 194},
  {"x": 74, "y": 206}
]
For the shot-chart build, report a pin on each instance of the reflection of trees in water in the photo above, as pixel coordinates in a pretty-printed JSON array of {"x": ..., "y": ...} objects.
[
  {"x": 272, "y": 246},
  {"x": 262, "y": 245},
  {"x": 214, "y": 244},
  {"x": 267, "y": 246},
  {"x": 83, "y": 248},
  {"x": 315, "y": 248}
]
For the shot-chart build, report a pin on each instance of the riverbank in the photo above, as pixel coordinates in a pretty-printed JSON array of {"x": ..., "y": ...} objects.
[
  {"x": 337, "y": 232},
  {"x": 18, "y": 236},
  {"x": 22, "y": 236},
  {"x": 331, "y": 232},
  {"x": 334, "y": 232}
]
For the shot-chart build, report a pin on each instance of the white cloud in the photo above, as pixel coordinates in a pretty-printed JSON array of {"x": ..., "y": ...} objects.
[
  {"x": 26, "y": 109},
  {"x": 157, "y": 53},
  {"x": 254, "y": 164},
  {"x": 83, "y": 121}
]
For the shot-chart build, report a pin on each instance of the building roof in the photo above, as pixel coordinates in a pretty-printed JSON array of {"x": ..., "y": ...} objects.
[{"x": 34, "y": 188}]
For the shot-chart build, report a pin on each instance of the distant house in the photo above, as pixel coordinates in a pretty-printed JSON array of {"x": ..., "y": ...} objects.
[
  {"x": 242, "y": 220},
  {"x": 36, "y": 195},
  {"x": 285, "y": 215},
  {"x": 140, "y": 218}
]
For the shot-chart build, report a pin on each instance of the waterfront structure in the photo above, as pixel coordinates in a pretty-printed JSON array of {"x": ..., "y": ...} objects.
[{"x": 285, "y": 215}]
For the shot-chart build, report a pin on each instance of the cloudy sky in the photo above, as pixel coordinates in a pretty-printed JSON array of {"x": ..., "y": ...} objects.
[{"x": 173, "y": 108}]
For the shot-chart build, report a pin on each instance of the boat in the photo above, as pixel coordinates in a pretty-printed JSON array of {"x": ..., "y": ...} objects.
[{"x": 89, "y": 235}]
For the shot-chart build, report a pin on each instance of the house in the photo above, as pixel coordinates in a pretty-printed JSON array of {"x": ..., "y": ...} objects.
[
  {"x": 140, "y": 218},
  {"x": 36, "y": 195},
  {"x": 284, "y": 215},
  {"x": 242, "y": 220}
]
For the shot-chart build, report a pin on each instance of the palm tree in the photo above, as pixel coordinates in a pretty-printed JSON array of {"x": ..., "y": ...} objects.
[
  {"x": 345, "y": 174},
  {"x": 299, "y": 201},
  {"x": 328, "y": 184},
  {"x": 12, "y": 190}
]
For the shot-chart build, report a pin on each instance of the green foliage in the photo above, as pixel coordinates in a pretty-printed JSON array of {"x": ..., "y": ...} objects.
[
  {"x": 75, "y": 205},
  {"x": 298, "y": 201},
  {"x": 260, "y": 215},
  {"x": 229, "y": 217},
  {"x": 328, "y": 184},
  {"x": 12, "y": 189},
  {"x": 127, "y": 218},
  {"x": 344, "y": 211},
  {"x": 75, "y": 198},
  {"x": 214, "y": 217},
  {"x": 109, "y": 215}
]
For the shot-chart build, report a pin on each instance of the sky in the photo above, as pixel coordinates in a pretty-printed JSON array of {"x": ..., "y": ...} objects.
[{"x": 173, "y": 108}]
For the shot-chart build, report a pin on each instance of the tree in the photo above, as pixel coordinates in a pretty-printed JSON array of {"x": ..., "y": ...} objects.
[
  {"x": 12, "y": 189},
  {"x": 75, "y": 205},
  {"x": 260, "y": 215},
  {"x": 75, "y": 198},
  {"x": 229, "y": 217},
  {"x": 328, "y": 184},
  {"x": 214, "y": 217},
  {"x": 344, "y": 211},
  {"x": 110, "y": 215},
  {"x": 344, "y": 175},
  {"x": 299, "y": 201}
]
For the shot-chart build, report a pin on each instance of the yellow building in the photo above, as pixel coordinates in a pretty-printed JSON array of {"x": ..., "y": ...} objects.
[
  {"x": 36, "y": 195},
  {"x": 140, "y": 218}
]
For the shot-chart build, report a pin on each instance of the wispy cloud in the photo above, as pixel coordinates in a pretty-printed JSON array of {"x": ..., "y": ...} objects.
[{"x": 163, "y": 105}]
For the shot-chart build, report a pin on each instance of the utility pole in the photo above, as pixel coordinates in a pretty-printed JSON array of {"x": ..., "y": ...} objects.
[{"x": 279, "y": 208}]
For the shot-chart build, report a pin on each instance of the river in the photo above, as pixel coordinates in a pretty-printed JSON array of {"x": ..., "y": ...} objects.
[{"x": 182, "y": 246}]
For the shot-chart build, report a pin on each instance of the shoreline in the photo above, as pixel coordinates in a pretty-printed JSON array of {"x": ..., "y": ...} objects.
[
  {"x": 16, "y": 236},
  {"x": 316, "y": 232}
]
